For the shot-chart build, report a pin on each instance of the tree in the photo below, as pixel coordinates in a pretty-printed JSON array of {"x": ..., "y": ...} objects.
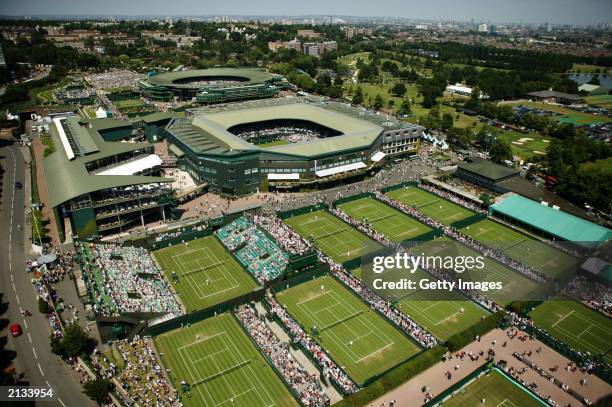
[
  {"x": 43, "y": 306},
  {"x": 405, "y": 108},
  {"x": 358, "y": 97},
  {"x": 74, "y": 343},
  {"x": 595, "y": 80},
  {"x": 399, "y": 89},
  {"x": 378, "y": 102},
  {"x": 447, "y": 121},
  {"x": 501, "y": 151},
  {"x": 98, "y": 390}
]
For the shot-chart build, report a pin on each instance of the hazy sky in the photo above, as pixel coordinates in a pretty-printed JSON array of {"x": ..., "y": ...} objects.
[{"x": 553, "y": 11}]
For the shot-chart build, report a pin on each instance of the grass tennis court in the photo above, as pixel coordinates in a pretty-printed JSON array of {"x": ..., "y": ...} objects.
[
  {"x": 356, "y": 337},
  {"x": 496, "y": 389},
  {"x": 222, "y": 366},
  {"x": 384, "y": 219},
  {"x": 577, "y": 325},
  {"x": 207, "y": 273},
  {"x": 430, "y": 205},
  {"x": 443, "y": 314},
  {"x": 332, "y": 236},
  {"x": 515, "y": 286},
  {"x": 550, "y": 261}
]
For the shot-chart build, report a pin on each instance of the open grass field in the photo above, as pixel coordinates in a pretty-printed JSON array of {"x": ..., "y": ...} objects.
[
  {"x": 600, "y": 100},
  {"x": 577, "y": 325},
  {"x": 515, "y": 286},
  {"x": 384, "y": 219},
  {"x": 207, "y": 273},
  {"x": 587, "y": 68},
  {"x": 442, "y": 314},
  {"x": 356, "y": 337},
  {"x": 569, "y": 115},
  {"x": 526, "y": 149},
  {"x": 222, "y": 366},
  {"x": 604, "y": 165},
  {"x": 520, "y": 247},
  {"x": 431, "y": 205},
  {"x": 332, "y": 236},
  {"x": 273, "y": 143},
  {"x": 496, "y": 389}
]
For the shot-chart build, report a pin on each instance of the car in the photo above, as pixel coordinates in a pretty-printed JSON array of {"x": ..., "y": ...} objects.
[
  {"x": 18, "y": 185},
  {"x": 16, "y": 330}
]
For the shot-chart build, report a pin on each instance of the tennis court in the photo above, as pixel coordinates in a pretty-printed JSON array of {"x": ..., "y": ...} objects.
[
  {"x": 442, "y": 313},
  {"x": 496, "y": 389},
  {"x": 356, "y": 337},
  {"x": 577, "y": 325},
  {"x": 384, "y": 219},
  {"x": 222, "y": 366},
  {"x": 430, "y": 205},
  {"x": 332, "y": 236},
  {"x": 515, "y": 286},
  {"x": 550, "y": 261},
  {"x": 206, "y": 273}
]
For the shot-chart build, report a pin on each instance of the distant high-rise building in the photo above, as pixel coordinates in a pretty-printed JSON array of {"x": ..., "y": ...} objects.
[
  {"x": 168, "y": 20},
  {"x": 311, "y": 48},
  {"x": 483, "y": 28}
]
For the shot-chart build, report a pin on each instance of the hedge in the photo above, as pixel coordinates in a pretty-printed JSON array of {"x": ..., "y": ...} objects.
[
  {"x": 395, "y": 377},
  {"x": 463, "y": 338}
]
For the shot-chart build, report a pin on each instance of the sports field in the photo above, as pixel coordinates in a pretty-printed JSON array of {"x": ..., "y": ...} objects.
[
  {"x": 443, "y": 314},
  {"x": 384, "y": 219},
  {"x": 222, "y": 366},
  {"x": 332, "y": 236},
  {"x": 207, "y": 274},
  {"x": 356, "y": 337},
  {"x": 520, "y": 247},
  {"x": 577, "y": 325},
  {"x": 496, "y": 389},
  {"x": 515, "y": 286},
  {"x": 431, "y": 205}
]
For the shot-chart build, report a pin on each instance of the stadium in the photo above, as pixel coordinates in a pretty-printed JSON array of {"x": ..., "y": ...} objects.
[
  {"x": 285, "y": 144},
  {"x": 212, "y": 85}
]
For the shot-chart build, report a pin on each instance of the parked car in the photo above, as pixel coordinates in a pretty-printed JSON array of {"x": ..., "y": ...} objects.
[{"x": 16, "y": 330}]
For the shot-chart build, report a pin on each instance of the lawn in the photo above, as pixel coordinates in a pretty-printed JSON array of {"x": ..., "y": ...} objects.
[
  {"x": 222, "y": 366},
  {"x": 443, "y": 314},
  {"x": 569, "y": 115},
  {"x": 207, "y": 273},
  {"x": 514, "y": 285},
  {"x": 497, "y": 390},
  {"x": 332, "y": 236},
  {"x": 384, "y": 219},
  {"x": 526, "y": 145},
  {"x": 273, "y": 143},
  {"x": 586, "y": 68},
  {"x": 605, "y": 165},
  {"x": 600, "y": 100},
  {"x": 577, "y": 325},
  {"x": 355, "y": 336},
  {"x": 550, "y": 261},
  {"x": 431, "y": 205}
]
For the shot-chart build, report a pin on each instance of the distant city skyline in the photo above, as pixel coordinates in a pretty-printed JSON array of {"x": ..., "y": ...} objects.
[{"x": 576, "y": 12}]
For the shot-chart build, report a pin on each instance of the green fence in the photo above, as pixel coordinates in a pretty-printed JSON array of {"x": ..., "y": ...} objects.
[
  {"x": 300, "y": 211},
  {"x": 352, "y": 198},
  {"x": 399, "y": 186},
  {"x": 468, "y": 221}
]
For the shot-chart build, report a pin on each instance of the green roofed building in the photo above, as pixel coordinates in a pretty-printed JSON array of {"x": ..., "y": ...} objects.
[
  {"x": 213, "y": 85},
  {"x": 285, "y": 144},
  {"x": 549, "y": 222},
  {"x": 103, "y": 187}
]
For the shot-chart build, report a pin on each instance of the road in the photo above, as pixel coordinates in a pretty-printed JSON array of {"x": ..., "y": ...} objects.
[{"x": 33, "y": 354}]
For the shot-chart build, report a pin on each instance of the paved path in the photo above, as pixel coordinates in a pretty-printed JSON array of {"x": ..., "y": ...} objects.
[
  {"x": 410, "y": 394},
  {"x": 43, "y": 192}
]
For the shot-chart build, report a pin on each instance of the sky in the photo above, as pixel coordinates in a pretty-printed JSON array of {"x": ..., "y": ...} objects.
[{"x": 527, "y": 11}]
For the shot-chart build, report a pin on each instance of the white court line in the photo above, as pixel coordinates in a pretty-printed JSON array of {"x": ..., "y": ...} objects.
[{"x": 563, "y": 317}]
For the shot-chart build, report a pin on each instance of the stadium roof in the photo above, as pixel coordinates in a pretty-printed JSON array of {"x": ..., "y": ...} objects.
[
  {"x": 248, "y": 76},
  {"x": 213, "y": 128},
  {"x": 544, "y": 94},
  {"x": 68, "y": 179},
  {"x": 554, "y": 222},
  {"x": 489, "y": 169}
]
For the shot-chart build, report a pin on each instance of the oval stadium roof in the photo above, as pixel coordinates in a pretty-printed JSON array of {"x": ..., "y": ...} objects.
[{"x": 250, "y": 76}]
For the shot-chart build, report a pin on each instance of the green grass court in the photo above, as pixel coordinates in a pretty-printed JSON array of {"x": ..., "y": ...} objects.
[
  {"x": 577, "y": 325},
  {"x": 384, "y": 219},
  {"x": 356, "y": 337},
  {"x": 332, "y": 236},
  {"x": 520, "y": 247},
  {"x": 496, "y": 389},
  {"x": 430, "y": 205},
  {"x": 207, "y": 273},
  {"x": 443, "y": 314},
  {"x": 222, "y": 366},
  {"x": 515, "y": 286}
]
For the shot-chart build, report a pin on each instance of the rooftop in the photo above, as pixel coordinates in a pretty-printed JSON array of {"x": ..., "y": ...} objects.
[
  {"x": 554, "y": 222},
  {"x": 489, "y": 169},
  {"x": 554, "y": 94},
  {"x": 247, "y": 76}
]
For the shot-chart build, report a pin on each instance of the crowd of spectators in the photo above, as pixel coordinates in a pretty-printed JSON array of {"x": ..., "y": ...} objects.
[
  {"x": 592, "y": 293},
  {"x": 303, "y": 383},
  {"x": 125, "y": 279},
  {"x": 142, "y": 379},
  {"x": 283, "y": 234},
  {"x": 331, "y": 371},
  {"x": 113, "y": 78}
]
